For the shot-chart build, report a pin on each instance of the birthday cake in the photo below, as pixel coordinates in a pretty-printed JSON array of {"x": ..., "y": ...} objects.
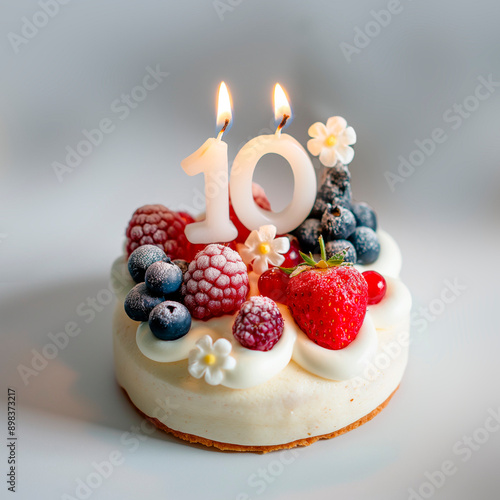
[{"x": 275, "y": 338}]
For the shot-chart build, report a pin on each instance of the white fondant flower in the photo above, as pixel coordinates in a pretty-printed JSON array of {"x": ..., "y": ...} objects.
[
  {"x": 211, "y": 360},
  {"x": 263, "y": 248},
  {"x": 332, "y": 142}
]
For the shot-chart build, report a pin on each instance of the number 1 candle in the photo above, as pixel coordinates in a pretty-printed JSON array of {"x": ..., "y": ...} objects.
[
  {"x": 304, "y": 192},
  {"x": 211, "y": 160}
]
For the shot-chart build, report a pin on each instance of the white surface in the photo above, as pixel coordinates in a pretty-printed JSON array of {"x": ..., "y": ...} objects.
[{"x": 58, "y": 240}]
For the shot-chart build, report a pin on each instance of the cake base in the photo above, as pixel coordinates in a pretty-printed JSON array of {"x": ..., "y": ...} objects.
[
  {"x": 261, "y": 449},
  {"x": 294, "y": 408}
]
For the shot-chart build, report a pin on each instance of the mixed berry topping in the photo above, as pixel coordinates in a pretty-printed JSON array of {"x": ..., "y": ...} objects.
[
  {"x": 328, "y": 298},
  {"x": 215, "y": 283},
  {"x": 259, "y": 324}
]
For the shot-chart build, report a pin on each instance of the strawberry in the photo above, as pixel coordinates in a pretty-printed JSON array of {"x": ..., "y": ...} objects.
[{"x": 327, "y": 299}]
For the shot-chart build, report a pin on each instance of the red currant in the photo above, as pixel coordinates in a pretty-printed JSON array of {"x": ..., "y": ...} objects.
[
  {"x": 377, "y": 286},
  {"x": 292, "y": 257},
  {"x": 272, "y": 283}
]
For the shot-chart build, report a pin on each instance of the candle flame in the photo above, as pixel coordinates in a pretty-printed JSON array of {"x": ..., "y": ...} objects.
[
  {"x": 281, "y": 105},
  {"x": 224, "y": 113}
]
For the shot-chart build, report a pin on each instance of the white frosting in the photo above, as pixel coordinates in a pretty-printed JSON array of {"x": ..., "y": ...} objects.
[
  {"x": 255, "y": 367},
  {"x": 341, "y": 364},
  {"x": 394, "y": 307},
  {"x": 252, "y": 367},
  {"x": 169, "y": 351},
  {"x": 120, "y": 280}
]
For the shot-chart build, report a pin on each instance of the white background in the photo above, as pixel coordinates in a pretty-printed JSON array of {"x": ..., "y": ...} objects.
[{"x": 58, "y": 238}]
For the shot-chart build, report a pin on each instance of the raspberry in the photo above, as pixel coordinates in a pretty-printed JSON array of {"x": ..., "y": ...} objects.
[
  {"x": 215, "y": 283},
  {"x": 260, "y": 198},
  {"x": 157, "y": 225},
  {"x": 259, "y": 324}
]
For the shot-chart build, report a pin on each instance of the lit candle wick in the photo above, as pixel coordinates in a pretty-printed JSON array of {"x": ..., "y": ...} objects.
[
  {"x": 282, "y": 124},
  {"x": 223, "y": 129}
]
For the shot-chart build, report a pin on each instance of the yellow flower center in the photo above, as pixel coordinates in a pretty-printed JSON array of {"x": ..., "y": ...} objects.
[
  {"x": 264, "y": 248},
  {"x": 209, "y": 359},
  {"x": 331, "y": 140}
]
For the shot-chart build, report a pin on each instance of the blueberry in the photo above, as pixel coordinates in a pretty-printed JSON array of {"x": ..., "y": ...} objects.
[
  {"x": 308, "y": 234},
  {"x": 163, "y": 278},
  {"x": 366, "y": 243},
  {"x": 336, "y": 186},
  {"x": 141, "y": 258},
  {"x": 337, "y": 223},
  {"x": 140, "y": 302},
  {"x": 337, "y": 246},
  {"x": 169, "y": 320},
  {"x": 338, "y": 174},
  {"x": 318, "y": 208},
  {"x": 365, "y": 215}
]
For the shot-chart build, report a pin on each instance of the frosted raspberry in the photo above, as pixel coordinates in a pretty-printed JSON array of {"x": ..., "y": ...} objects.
[
  {"x": 215, "y": 283},
  {"x": 259, "y": 324},
  {"x": 157, "y": 225}
]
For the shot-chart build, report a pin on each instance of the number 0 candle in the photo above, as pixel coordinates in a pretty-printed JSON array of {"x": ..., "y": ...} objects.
[
  {"x": 304, "y": 192},
  {"x": 211, "y": 160}
]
